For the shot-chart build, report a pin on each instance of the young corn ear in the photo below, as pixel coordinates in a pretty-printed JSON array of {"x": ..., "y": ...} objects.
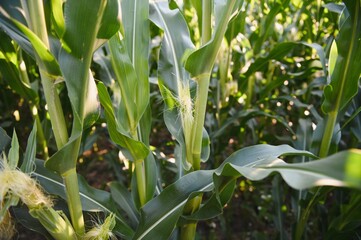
[
  {"x": 21, "y": 185},
  {"x": 55, "y": 222},
  {"x": 186, "y": 113},
  {"x": 103, "y": 231}
]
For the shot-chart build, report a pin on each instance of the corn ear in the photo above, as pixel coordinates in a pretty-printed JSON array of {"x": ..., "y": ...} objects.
[{"x": 103, "y": 231}]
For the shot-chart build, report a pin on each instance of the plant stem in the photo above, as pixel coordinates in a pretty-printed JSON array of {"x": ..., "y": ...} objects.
[
  {"x": 327, "y": 134},
  {"x": 139, "y": 169},
  {"x": 188, "y": 230},
  {"x": 200, "y": 111},
  {"x": 303, "y": 219},
  {"x": 72, "y": 193},
  {"x": 140, "y": 176},
  {"x": 206, "y": 21},
  {"x": 36, "y": 20},
  {"x": 202, "y": 89}
]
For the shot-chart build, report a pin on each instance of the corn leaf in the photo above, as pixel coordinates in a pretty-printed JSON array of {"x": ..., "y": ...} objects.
[
  {"x": 255, "y": 163},
  {"x": 127, "y": 80},
  {"x": 13, "y": 157},
  {"x": 123, "y": 199},
  {"x": 9, "y": 70},
  {"x": 208, "y": 53},
  {"x": 4, "y": 139},
  {"x": 46, "y": 57},
  {"x": 159, "y": 216},
  {"x": 29, "y": 157},
  {"x": 116, "y": 131},
  {"x": 347, "y": 67},
  {"x": 136, "y": 28},
  {"x": 58, "y": 17},
  {"x": 13, "y": 9}
]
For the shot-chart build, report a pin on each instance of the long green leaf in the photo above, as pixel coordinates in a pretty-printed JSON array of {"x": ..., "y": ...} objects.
[
  {"x": 159, "y": 216},
  {"x": 347, "y": 69},
  {"x": 136, "y": 28},
  {"x": 124, "y": 200},
  {"x": 255, "y": 163},
  {"x": 116, "y": 131},
  {"x": 127, "y": 79},
  {"x": 46, "y": 57},
  {"x": 29, "y": 157},
  {"x": 207, "y": 53}
]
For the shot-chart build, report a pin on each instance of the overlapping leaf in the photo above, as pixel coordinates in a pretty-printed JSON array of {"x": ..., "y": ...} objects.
[
  {"x": 207, "y": 53},
  {"x": 79, "y": 42},
  {"x": 255, "y": 163}
]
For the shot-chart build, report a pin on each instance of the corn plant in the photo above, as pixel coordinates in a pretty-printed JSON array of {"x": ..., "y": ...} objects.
[{"x": 64, "y": 38}]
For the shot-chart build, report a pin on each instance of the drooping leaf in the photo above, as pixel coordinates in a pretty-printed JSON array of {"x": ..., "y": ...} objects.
[
  {"x": 45, "y": 56},
  {"x": 116, "y": 131},
  {"x": 12, "y": 9},
  {"x": 159, "y": 216}
]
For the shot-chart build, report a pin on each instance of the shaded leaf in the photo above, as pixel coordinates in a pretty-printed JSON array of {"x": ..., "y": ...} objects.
[{"x": 29, "y": 157}]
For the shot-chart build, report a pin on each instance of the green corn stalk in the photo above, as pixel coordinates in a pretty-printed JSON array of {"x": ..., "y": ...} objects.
[{"x": 34, "y": 12}]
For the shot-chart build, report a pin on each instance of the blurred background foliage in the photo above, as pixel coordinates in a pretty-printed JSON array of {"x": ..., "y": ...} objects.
[{"x": 266, "y": 87}]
